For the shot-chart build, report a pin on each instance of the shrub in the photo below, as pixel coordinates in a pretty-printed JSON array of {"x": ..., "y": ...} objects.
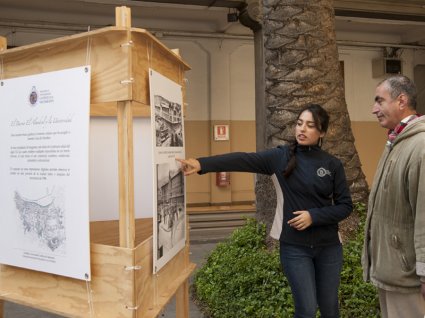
[{"x": 242, "y": 278}]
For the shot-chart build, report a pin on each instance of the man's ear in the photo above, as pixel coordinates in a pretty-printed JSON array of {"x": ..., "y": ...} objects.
[{"x": 403, "y": 101}]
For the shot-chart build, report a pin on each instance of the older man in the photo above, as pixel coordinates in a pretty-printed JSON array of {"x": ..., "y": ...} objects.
[{"x": 394, "y": 247}]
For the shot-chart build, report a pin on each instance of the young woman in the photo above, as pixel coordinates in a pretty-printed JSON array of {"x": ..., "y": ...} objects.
[{"x": 316, "y": 199}]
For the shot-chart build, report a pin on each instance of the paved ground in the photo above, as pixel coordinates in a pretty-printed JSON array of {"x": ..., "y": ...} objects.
[{"x": 199, "y": 251}]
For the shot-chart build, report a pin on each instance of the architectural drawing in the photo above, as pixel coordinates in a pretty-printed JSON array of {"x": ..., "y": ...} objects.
[{"x": 43, "y": 219}]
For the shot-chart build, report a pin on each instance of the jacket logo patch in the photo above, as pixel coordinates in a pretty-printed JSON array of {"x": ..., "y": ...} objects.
[{"x": 321, "y": 172}]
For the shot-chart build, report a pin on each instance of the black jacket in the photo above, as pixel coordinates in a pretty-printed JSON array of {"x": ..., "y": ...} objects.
[{"x": 317, "y": 184}]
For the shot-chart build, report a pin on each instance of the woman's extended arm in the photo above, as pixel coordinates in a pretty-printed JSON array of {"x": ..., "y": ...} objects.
[{"x": 264, "y": 162}]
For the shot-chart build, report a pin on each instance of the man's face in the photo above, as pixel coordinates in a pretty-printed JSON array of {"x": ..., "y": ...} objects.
[{"x": 385, "y": 108}]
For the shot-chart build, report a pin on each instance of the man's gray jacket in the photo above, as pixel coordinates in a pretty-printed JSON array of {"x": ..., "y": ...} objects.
[{"x": 394, "y": 247}]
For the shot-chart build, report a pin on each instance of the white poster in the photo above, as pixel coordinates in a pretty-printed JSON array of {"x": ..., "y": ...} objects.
[
  {"x": 44, "y": 141},
  {"x": 166, "y": 101}
]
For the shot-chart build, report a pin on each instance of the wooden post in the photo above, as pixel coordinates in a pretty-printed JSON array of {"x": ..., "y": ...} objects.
[
  {"x": 1, "y": 308},
  {"x": 182, "y": 300},
  {"x": 123, "y": 17},
  {"x": 126, "y": 174},
  {"x": 3, "y": 43},
  {"x": 182, "y": 293},
  {"x": 125, "y": 149}
]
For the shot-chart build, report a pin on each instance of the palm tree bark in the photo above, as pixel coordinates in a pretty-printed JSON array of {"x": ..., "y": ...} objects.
[{"x": 301, "y": 67}]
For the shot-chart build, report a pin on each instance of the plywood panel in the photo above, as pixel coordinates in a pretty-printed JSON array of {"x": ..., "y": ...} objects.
[
  {"x": 111, "y": 286},
  {"x": 3, "y": 43},
  {"x": 144, "y": 280},
  {"x": 107, "y": 232},
  {"x": 182, "y": 300},
  {"x": 173, "y": 275},
  {"x": 149, "y": 53},
  {"x": 154, "y": 291},
  {"x": 140, "y": 68},
  {"x": 119, "y": 58},
  {"x": 101, "y": 49},
  {"x": 110, "y": 67},
  {"x": 110, "y": 109}
]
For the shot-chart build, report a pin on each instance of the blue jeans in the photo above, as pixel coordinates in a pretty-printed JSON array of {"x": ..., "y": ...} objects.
[{"x": 313, "y": 275}]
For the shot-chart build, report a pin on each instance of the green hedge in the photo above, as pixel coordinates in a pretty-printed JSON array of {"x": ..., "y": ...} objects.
[{"x": 242, "y": 278}]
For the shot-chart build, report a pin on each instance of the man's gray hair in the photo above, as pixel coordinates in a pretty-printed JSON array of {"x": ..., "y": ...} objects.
[{"x": 400, "y": 84}]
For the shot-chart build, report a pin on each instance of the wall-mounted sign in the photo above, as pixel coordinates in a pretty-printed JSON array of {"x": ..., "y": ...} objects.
[{"x": 221, "y": 132}]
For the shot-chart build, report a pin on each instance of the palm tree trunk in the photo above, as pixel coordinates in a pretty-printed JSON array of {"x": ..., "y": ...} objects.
[{"x": 302, "y": 67}]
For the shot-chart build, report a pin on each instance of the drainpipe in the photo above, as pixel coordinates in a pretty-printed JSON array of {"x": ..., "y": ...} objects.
[{"x": 250, "y": 16}]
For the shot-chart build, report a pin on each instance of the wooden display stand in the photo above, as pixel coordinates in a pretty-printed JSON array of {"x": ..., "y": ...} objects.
[{"x": 123, "y": 283}]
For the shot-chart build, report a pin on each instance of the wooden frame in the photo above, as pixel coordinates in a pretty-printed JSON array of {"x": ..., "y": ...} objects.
[{"x": 123, "y": 283}]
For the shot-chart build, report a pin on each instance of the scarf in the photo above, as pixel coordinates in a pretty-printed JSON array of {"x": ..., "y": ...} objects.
[{"x": 393, "y": 133}]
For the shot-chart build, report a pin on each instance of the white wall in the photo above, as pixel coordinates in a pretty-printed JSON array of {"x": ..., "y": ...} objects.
[
  {"x": 198, "y": 80},
  {"x": 221, "y": 83},
  {"x": 103, "y": 169},
  {"x": 359, "y": 83}
]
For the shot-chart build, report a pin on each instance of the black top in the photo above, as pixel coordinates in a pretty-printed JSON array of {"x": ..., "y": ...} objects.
[{"x": 317, "y": 184}]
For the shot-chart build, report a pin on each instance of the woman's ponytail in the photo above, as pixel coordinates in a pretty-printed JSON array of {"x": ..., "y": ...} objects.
[{"x": 292, "y": 160}]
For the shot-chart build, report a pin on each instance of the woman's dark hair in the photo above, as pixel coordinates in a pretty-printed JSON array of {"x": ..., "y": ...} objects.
[{"x": 321, "y": 120}]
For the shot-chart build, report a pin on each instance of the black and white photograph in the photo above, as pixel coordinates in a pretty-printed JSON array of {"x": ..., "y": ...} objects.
[
  {"x": 168, "y": 123},
  {"x": 167, "y": 126},
  {"x": 170, "y": 208}
]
